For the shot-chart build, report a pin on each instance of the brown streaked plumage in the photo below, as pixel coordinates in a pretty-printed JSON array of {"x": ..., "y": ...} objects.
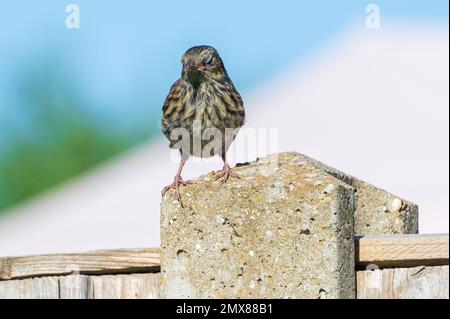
[{"x": 202, "y": 97}]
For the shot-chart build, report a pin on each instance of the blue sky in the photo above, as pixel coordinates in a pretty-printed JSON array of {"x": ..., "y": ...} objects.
[{"x": 126, "y": 54}]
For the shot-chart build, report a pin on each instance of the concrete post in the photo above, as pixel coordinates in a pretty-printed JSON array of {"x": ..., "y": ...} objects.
[{"x": 284, "y": 230}]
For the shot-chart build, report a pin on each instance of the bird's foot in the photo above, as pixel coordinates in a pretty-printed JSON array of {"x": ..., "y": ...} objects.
[
  {"x": 177, "y": 181},
  {"x": 225, "y": 173}
]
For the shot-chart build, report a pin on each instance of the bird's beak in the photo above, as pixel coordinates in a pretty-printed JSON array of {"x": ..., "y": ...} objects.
[{"x": 194, "y": 67}]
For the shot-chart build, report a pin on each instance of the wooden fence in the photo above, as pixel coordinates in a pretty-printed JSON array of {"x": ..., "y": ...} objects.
[
  {"x": 402, "y": 266},
  {"x": 397, "y": 266}
]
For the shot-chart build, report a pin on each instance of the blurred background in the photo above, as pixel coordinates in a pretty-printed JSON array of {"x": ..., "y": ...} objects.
[{"x": 360, "y": 86}]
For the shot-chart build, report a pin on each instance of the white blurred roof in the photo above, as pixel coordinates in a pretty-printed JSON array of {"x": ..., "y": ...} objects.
[{"x": 373, "y": 104}]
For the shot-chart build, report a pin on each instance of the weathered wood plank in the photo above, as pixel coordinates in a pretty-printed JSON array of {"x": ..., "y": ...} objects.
[
  {"x": 131, "y": 286},
  {"x": 402, "y": 250},
  {"x": 74, "y": 287},
  {"x": 37, "y": 288},
  {"x": 404, "y": 283},
  {"x": 96, "y": 262},
  {"x": 135, "y": 286}
]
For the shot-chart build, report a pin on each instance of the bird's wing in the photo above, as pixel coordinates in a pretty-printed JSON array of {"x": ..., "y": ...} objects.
[
  {"x": 174, "y": 99},
  {"x": 238, "y": 104},
  {"x": 173, "y": 107}
]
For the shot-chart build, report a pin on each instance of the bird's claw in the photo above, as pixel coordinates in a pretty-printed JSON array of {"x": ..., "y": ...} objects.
[
  {"x": 225, "y": 173},
  {"x": 177, "y": 181}
]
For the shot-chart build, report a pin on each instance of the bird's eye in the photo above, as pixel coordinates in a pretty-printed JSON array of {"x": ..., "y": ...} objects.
[{"x": 209, "y": 61}]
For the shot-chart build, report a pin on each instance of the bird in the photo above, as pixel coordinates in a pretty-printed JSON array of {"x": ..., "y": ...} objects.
[{"x": 202, "y": 112}]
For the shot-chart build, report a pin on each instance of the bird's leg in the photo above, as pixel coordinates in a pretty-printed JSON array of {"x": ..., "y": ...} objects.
[
  {"x": 177, "y": 181},
  {"x": 226, "y": 171}
]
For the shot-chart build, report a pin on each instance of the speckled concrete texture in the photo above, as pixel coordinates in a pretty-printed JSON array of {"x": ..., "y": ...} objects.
[
  {"x": 377, "y": 211},
  {"x": 283, "y": 230}
]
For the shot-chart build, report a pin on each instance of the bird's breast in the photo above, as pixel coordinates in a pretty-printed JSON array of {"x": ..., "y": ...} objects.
[
  {"x": 211, "y": 107},
  {"x": 206, "y": 107}
]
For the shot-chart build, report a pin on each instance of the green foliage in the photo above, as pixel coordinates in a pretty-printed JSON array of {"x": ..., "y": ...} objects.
[{"x": 57, "y": 139}]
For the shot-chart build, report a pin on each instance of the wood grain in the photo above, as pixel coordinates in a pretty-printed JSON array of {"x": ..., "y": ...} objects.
[
  {"x": 131, "y": 286},
  {"x": 97, "y": 262},
  {"x": 421, "y": 282},
  {"x": 36, "y": 288},
  {"x": 135, "y": 286},
  {"x": 402, "y": 250}
]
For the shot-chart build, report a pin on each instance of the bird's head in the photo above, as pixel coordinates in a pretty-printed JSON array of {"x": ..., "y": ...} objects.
[{"x": 201, "y": 63}]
